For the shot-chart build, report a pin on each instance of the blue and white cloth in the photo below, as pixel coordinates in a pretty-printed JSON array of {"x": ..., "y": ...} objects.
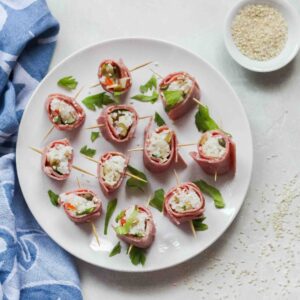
[{"x": 32, "y": 266}]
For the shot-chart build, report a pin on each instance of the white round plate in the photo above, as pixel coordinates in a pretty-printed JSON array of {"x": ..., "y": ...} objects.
[
  {"x": 172, "y": 244},
  {"x": 290, "y": 49}
]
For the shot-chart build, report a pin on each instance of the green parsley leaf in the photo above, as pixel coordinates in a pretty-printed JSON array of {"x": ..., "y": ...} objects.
[
  {"x": 137, "y": 255},
  {"x": 172, "y": 98},
  {"x": 94, "y": 135},
  {"x": 68, "y": 82},
  {"x": 53, "y": 198},
  {"x": 85, "y": 212},
  {"x": 143, "y": 98},
  {"x": 97, "y": 100},
  {"x": 158, "y": 199},
  {"x": 199, "y": 225},
  {"x": 111, "y": 206},
  {"x": 149, "y": 85},
  {"x": 133, "y": 182},
  {"x": 88, "y": 151},
  {"x": 203, "y": 120},
  {"x": 116, "y": 250},
  {"x": 124, "y": 229},
  {"x": 159, "y": 120},
  {"x": 212, "y": 192}
]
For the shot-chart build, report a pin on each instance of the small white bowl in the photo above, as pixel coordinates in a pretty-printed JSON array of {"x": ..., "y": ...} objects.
[{"x": 290, "y": 49}]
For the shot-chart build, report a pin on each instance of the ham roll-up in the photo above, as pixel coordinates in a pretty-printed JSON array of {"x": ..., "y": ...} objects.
[
  {"x": 114, "y": 76},
  {"x": 64, "y": 112},
  {"x": 111, "y": 170},
  {"x": 184, "y": 203},
  {"x": 81, "y": 205},
  {"x": 177, "y": 91},
  {"x": 135, "y": 226},
  {"x": 216, "y": 153},
  {"x": 160, "y": 148},
  {"x": 57, "y": 159},
  {"x": 118, "y": 123}
]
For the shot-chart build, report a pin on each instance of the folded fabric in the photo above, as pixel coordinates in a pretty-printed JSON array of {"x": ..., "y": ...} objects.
[{"x": 32, "y": 266}]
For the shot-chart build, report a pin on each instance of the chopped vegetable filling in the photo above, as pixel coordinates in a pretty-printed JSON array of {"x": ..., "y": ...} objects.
[
  {"x": 213, "y": 145},
  {"x": 181, "y": 83},
  {"x": 159, "y": 145},
  {"x": 184, "y": 200},
  {"x": 62, "y": 112},
  {"x": 79, "y": 205},
  {"x": 112, "y": 169},
  {"x": 58, "y": 158},
  {"x": 176, "y": 91},
  {"x": 122, "y": 121},
  {"x": 132, "y": 221},
  {"x": 111, "y": 77}
]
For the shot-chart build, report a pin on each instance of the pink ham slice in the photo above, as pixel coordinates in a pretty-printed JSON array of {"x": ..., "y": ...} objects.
[
  {"x": 79, "y": 110},
  {"x": 107, "y": 129},
  {"x": 153, "y": 164},
  {"x": 48, "y": 169},
  {"x": 187, "y": 104},
  {"x": 106, "y": 187},
  {"x": 145, "y": 241},
  {"x": 213, "y": 165},
  {"x": 189, "y": 215},
  {"x": 84, "y": 218},
  {"x": 123, "y": 72}
]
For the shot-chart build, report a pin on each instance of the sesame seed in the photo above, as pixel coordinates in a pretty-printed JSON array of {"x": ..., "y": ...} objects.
[{"x": 259, "y": 31}]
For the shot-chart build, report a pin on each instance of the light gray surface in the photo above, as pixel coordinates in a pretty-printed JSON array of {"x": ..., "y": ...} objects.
[{"x": 259, "y": 256}]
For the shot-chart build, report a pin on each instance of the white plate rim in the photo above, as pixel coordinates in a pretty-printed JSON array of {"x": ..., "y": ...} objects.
[{"x": 237, "y": 100}]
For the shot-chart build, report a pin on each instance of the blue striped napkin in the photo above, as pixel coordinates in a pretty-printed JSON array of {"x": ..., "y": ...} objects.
[{"x": 32, "y": 266}]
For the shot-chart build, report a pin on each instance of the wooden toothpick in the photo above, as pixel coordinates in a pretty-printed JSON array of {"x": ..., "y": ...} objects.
[
  {"x": 36, "y": 150},
  {"x": 94, "y": 85},
  {"x": 177, "y": 177},
  {"x": 77, "y": 94},
  {"x": 78, "y": 182},
  {"x": 148, "y": 201},
  {"x": 129, "y": 249},
  {"x": 48, "y": 132},
  {"x": 193, "y": 229},
  {"x": 140, "y": 66},
  {"x": 198, "y": 102},
  {"x": 154, "y": 72},
  {"x": 95, "y": 126},
  {"x": 94, "y": 230},
  {"x": 91, "y": 159},
  {"x": 145, "y": 117},
  {"x": 135, "y": 177},
  {"x": 216, "y": 176},
  {"x": 187, "y": 145},
  {"x": 83, "y": 171},
  {"x": 136, "y": 149}
]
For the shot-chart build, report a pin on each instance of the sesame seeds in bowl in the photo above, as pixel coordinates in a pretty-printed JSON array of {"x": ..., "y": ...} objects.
[{"x": 262, "y": 35}]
